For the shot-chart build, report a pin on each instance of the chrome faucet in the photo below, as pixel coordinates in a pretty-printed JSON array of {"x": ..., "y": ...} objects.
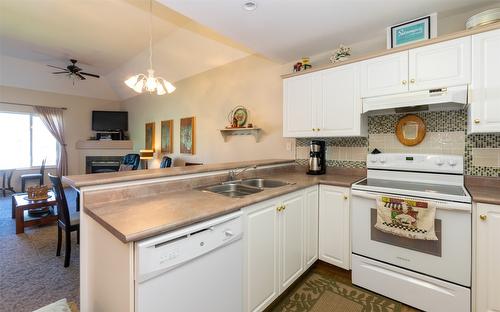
[{"x": 233, "y": 173}]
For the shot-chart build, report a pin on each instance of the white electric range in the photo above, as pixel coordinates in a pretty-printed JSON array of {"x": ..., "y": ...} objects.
[{"x": 429, "y": 275}]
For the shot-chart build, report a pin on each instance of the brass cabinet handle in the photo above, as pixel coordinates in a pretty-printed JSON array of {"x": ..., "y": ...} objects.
[
  {"x": 477, "y": 121},
  {"x": 412, "y": 80},
  {"x": 284, "y": 207},
  {"x": 404, "y": 82},
  {"x": 278, "y": 209},
  {"x": 314, "y": 129},
  {"x": 346, "y": 197},
  {"x": 317, "y": 129},
  {"x": 483, "y": 217}
]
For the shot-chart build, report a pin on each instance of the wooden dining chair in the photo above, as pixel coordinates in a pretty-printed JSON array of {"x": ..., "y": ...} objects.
[
  {"x": 67, "y": 222},
  {"x": 33, "y": 176}
]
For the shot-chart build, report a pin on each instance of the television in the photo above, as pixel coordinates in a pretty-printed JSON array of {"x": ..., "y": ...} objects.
[{"x": 109, "y": 121}]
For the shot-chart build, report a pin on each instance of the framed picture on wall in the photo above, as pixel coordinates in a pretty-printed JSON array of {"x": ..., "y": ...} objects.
[
  {"x": 187, "y": 135},
  {"x": 150, "y": 136},
  {"x": 420, "y": 29},
  {"x": 167, "y": 128}
]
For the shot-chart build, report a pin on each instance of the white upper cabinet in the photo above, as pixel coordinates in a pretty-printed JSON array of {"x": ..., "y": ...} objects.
[
  {"x": 484, "y": 111},
  {"x": 385, "y": 75},
  {"x": 443, "y": 64},
  {"x": 323, "y": 104},
  {"x": 339, "y": 112},
  {"x": 299, "y": 110}
]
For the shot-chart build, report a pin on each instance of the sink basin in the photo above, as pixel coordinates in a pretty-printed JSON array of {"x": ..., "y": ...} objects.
[
  {"x": 263, "y": 183},
  {"x": 233, "y": 189}
]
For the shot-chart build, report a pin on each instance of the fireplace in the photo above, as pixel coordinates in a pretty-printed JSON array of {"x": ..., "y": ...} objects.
[{"x": 100, "y": 164}]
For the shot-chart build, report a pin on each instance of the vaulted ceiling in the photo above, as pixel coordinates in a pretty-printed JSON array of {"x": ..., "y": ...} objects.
[
  {"x": 107, "y": 37},
  {"x": 110, "y": 37}
]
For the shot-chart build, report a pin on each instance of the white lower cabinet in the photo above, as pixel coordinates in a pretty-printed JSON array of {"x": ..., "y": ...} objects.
[
  {"x": 487, "y": 262},
  {"x": 334, "y": 226},
  {"x": 280, "y": 244}
]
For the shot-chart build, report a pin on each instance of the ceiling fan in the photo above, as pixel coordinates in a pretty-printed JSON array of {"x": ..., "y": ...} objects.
[{"x": 73, "y": 71}]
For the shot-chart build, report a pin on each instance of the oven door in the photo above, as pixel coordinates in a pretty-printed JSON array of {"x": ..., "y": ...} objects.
[{"x": 448, "y": 258}]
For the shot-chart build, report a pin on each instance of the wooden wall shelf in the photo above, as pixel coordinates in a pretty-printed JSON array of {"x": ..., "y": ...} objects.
[
  {"x": 241, "y": 131},
  {"x": 95, "y": 144}
]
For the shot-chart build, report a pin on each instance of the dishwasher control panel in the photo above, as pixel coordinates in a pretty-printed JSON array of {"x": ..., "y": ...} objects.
[{"x": 165, "y": 252}]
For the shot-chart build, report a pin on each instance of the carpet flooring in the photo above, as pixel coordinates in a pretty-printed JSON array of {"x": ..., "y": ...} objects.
[
  {"x": 31, "y": 276},
  {"x": 328, "y": 289}
]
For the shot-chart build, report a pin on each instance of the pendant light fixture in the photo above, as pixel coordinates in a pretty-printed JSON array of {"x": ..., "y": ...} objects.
[{"x": 140, "y": 83}]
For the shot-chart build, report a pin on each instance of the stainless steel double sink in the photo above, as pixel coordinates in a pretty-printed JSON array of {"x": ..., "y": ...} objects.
[{"x": 245, "y": 187}]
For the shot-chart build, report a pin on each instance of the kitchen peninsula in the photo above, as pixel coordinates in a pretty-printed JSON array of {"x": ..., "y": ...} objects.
[{"x": 122, "y": 209}]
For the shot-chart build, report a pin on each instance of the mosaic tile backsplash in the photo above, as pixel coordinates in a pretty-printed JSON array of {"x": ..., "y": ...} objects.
[{"x": 446, "y": 134}]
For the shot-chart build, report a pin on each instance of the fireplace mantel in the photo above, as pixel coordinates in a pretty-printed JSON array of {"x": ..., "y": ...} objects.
[{"x": 95, "y": 144}]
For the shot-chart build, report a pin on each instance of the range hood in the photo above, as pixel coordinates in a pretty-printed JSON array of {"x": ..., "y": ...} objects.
[{"x": 435, "y": 99}]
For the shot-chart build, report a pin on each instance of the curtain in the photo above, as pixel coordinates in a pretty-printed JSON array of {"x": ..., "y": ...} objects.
[{"x": 52, "y": 118}]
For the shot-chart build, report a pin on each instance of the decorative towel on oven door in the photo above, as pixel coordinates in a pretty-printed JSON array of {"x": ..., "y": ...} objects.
[{"x": 406, "y": 218}]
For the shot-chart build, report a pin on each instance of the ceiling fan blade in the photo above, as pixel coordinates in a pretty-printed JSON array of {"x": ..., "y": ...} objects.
[
  {"x": 61, "y": 72},
  {"x": 56, "y": 67},
  {"x": 91, "y": 75},
  {"x": 80, "y": 76}
]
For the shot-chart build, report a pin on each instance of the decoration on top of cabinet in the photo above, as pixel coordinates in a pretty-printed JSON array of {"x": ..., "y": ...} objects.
[
  {"x": 340, "y": 54},
  {"x": 410, "y": 130},
  {"x": 238, "y": 117},
  {"x": 420, "y": 29},
  {"x": 187, "y": 134},
  {"x": 150, "y": 136},
  {"x": 167, "y": 130},
  {"x": 303, "y": 64}
]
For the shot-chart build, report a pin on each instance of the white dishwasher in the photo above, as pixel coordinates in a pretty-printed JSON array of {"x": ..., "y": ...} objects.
[{"x": 197, "y": 268}]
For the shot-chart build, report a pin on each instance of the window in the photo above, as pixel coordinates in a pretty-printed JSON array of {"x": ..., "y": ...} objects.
[{"x": 25, "y": 141}]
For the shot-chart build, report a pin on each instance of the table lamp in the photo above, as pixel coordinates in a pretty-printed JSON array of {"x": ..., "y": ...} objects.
[{"x": 145, "y": 156}]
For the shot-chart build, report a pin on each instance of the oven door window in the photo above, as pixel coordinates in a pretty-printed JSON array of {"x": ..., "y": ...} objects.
[{"x": 425, "y": 246}]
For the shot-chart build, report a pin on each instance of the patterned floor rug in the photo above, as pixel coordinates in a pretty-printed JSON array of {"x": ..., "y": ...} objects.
[{"x": 319, "y": 292}]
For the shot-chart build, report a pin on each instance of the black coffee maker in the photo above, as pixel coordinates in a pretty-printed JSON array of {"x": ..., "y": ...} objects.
[{"x": 317, "y": 159}]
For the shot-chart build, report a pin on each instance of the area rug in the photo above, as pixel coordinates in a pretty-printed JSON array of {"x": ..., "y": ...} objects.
[
  {"x": 31, "y": 276},
  {"x": 324, "y": 293}
]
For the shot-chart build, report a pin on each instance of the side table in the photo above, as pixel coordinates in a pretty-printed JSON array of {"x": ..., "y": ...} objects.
[{"x": 21, "y": 206}]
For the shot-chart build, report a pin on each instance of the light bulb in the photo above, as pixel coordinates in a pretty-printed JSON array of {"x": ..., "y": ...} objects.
[
  {"x": 170, "y": 87},
  {"x": 151, "y": 84},
  {"x": 160, "y": 90},
  {"x": 132, "y": 81},
  {"x": 139, "y": 85}
]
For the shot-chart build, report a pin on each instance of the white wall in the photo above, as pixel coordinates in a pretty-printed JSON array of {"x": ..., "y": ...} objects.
[
  {"x": 253, "y": 82},
  {"x": 77, "y": 117}
]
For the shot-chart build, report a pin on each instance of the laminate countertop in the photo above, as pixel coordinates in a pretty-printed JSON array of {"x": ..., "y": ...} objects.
[
  {"x": 484, "y": 189},
  {"x": 143, "y": 217},
  {"x": 82, "y": 180}
]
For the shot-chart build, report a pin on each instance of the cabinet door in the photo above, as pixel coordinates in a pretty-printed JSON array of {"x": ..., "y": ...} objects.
[
  {"x": 385, "y": 75},
  {"x": 487, "y": 258},
  {"x": 311, "y": 220},
  {"x": 261, "y": 257},
  {"x": 291, "y": 239},
  {"x": 300, "y": 97},
  {"x": 340, "y": 110},
  {"x": 440, "y": 65},
  {"x": 484, "y": 111},
  {"x": 334, "y": 226}
]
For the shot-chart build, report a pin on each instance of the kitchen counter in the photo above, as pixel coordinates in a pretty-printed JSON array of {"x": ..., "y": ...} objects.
[
  {"x": 484, "y": 189},
  {"x": 78, "y": 181},
  {"x": 138, "y": 218}
]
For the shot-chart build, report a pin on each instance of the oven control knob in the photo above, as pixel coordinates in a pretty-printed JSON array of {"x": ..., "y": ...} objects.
[
  {"x": 382, "y": 159},
  {"x": 452, "y": 162},
  {"x": 439, "y": 162},
  {"x": 373, "y": 159}
]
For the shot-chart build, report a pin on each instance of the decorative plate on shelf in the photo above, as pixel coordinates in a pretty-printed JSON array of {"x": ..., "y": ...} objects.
[{"x": 241, "y": 115}]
